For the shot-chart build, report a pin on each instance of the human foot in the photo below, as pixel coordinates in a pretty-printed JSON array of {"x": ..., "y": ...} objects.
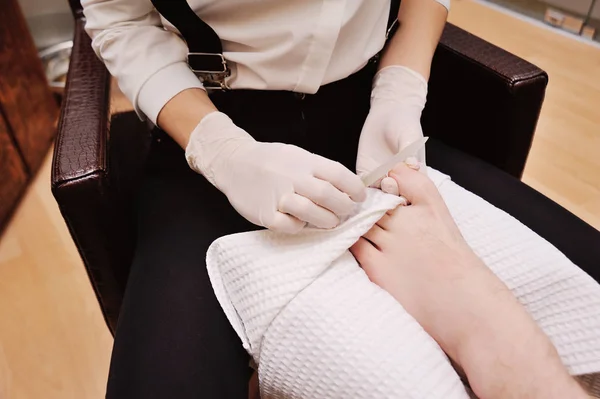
[{"x": 418, "y": 255}]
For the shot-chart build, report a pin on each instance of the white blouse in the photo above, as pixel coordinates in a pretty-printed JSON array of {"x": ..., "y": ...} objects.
[{"x": 296, "y": 45}]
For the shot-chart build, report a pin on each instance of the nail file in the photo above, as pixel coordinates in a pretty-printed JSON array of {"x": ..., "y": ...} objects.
[{"x": 382, "y": 170}]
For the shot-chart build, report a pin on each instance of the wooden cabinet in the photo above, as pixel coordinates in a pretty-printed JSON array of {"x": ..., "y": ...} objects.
[
  {"x": 578, "y": 7},
  {"x": 28, "y": 110}
]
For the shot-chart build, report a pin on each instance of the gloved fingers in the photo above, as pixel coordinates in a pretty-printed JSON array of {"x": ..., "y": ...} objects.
[
  {"x": 389, "y": 185},
  {"x": 307, "y": 211},
  {"x": 377, "y": 184},
  {"x": 401, "y": 85},
  {"x": 413, "y": 163},
  {"x": 287, "y": 224},
  {"x": 422, "y": 155},
  {"x": 364, "y": 167},
  {"x": 341, "y": 178},
  {"x": 326, "y": 195}
]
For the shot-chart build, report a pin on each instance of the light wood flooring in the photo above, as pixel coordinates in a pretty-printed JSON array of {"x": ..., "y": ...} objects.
[
  {"x": 53, "y": 341},
  {"x": 564, "y": 162}
]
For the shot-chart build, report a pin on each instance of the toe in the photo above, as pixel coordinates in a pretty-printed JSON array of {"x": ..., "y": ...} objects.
[{"x": 367, "y": 255}]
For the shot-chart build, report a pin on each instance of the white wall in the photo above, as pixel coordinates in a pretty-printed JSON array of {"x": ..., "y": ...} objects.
[
  {"x": 596, "y": 12},
  {"x": 40, "y": 7},
  {"x": 50, "y": 21}
]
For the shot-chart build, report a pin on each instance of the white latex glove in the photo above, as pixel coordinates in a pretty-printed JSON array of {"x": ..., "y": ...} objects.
[
  {"x": 278, "y": 186},
  {"x": 394, "y": 121}
]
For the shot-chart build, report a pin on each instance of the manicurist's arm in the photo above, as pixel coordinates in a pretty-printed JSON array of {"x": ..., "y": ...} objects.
[
  {"x": 278, "y": 186},
  {"x": 149, "y": 62},
  {"x": 420, "y": 25},
  {"x": 183, "y": 112},
  {"x": 400, "y": 87}
]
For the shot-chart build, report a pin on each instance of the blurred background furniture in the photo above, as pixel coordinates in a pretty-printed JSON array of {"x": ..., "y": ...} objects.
[
  {"x": 50, "y": 21},
  {"x": 482, "y": 100},
  {"x": 51, "y": 25},
  {"x": 28, "y": 111},
  {"x": 579, "y": 17}
]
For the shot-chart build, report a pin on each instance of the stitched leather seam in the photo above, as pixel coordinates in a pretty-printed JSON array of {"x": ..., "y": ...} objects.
[
  {"x": 66, "y": 126},
  {"x": 448, "y": 43}
]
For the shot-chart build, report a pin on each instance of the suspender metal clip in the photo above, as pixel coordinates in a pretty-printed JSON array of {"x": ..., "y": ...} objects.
[{"x": 211, "y": 68}]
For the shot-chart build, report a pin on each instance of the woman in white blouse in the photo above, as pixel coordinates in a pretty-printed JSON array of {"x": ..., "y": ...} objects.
[{"x": 309, "y": 104}]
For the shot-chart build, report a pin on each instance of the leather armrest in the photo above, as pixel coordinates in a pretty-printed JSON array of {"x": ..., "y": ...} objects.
[
  {"x": 80, "y": 168},
  {"x": 483, "y": 100},
  {"x": 84, "y": 121}
]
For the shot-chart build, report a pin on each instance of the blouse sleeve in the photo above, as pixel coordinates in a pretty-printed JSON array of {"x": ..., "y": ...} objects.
[
  {"x": 148, "y": 61},
  {"x": 445, "y": 3}
]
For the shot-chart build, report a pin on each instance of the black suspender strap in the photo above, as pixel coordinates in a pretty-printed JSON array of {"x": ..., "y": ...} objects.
[
  {"x": 392, "y": 25},
  {"x": 205, "y": 52}
]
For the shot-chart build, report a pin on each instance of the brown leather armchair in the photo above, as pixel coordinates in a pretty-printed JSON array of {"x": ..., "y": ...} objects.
[{"x": 482, "y": 100}]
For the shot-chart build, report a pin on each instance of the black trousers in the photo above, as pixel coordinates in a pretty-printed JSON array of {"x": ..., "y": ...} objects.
[{"x": 173, "y": 340}]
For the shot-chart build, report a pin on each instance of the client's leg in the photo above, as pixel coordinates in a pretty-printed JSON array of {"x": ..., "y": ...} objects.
[
  {"x": 569, "y": 234},
  {"x": 417, "y": 254}
]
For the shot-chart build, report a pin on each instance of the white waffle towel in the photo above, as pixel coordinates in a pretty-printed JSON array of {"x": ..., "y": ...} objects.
[{"x": 318, "y": 328}]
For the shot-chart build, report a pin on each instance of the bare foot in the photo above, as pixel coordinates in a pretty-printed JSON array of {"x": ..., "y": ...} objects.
[{"x": 418, "y": 255}]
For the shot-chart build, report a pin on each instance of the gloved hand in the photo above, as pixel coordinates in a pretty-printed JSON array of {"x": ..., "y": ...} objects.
[
  {"x": 394, "y": 121},
  {"x": 278, "y": 186}
]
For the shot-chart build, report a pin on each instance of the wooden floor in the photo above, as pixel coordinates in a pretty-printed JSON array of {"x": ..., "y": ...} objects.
[
  {"x": 53, "y": 341},
  {"x": 564, "y": 162}
]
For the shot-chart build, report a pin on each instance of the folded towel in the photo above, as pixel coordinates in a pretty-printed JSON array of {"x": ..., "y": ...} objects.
[{"x": 318, "y": 328}]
